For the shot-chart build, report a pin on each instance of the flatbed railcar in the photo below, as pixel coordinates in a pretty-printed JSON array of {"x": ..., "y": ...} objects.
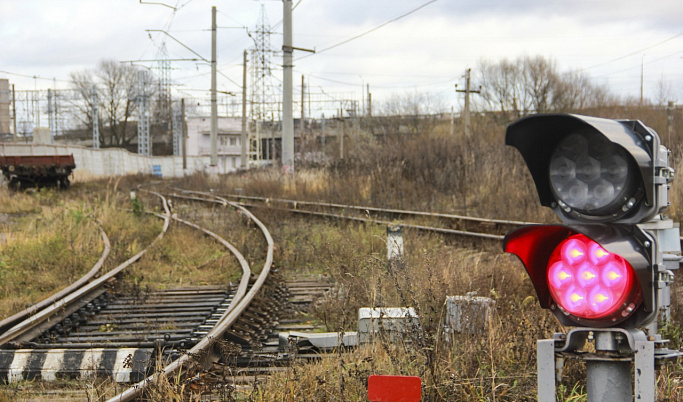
[{"x": 25, "y": 171}]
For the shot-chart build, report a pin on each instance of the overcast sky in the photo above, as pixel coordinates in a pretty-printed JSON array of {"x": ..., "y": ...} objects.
[{"x": 427, "y": 50}]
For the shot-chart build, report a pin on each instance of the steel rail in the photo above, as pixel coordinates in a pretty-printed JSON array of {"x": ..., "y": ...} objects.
[
  {"x": 18, "y": 317},
  {"x": 237, "y": 306},
  {"x": 380, "y": 222},
  {"x": 67, "y": 303},
  {"x": 355, "y": 218},
  {"x": 295, "y": 203}
]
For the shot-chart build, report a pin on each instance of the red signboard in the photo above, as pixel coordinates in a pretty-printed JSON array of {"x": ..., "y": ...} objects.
[{"x": 394, "y": 388}]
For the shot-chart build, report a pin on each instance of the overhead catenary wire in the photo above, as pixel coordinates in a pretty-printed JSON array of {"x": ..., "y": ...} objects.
[{"x": 370, "y": 31}]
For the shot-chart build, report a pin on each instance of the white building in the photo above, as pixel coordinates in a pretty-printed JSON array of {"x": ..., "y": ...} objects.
[{"x": 229, "y": 140}]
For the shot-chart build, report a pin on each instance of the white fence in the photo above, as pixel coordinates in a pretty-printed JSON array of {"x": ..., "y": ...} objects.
[{"x": 96, "y": 163}]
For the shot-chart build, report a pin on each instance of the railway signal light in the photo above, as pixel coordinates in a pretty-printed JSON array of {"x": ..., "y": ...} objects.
[{"x": 607, "y": 180}]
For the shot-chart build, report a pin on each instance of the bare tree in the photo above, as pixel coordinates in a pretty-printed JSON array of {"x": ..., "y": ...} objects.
[
  {"x": 540, "y": 81},
  {"x": 534, "y": 85},
  {"x": 410, "y": 112},
  {"x": 116, "y": 94},
  {"x": 664, "y": 92}
]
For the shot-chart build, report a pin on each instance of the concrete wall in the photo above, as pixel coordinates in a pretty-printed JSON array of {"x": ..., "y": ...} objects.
[{"x": 98, "y": 163}]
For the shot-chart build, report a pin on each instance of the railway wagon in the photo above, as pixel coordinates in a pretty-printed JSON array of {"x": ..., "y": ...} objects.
[{"x": 24, "y": 171}]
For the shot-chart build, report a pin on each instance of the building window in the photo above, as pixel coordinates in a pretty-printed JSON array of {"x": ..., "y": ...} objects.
[{"x": 233, "y": 141}]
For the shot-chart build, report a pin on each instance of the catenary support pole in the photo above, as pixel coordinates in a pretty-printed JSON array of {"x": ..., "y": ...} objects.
[
  {"x": 243, "y": 151},
  {"x": 214, "y": 100},
  {"x": 287, "y": 60},
  {"x": 183, "y": 134}
]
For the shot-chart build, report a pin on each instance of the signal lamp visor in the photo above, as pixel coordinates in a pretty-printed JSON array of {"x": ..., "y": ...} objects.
[
  {"x": 589, "y": 282},
  {"x": 593, "y": 176}
]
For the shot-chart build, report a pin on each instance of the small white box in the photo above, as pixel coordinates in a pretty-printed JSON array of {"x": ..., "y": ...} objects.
[
  {"x": 392, "y": 323},
  {"x": 468, "y": 314}
]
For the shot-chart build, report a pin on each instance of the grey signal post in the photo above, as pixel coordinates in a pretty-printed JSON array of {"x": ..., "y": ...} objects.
[{"x": 652, "y": 244}]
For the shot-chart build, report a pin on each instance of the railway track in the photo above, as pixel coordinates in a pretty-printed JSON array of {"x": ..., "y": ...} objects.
[
  {"x": 140, "y": 335},
  {"x": 449, "y": 224}
]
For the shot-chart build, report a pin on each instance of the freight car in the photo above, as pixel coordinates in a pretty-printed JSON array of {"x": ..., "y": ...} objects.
[{"x": 37, "y": 170}]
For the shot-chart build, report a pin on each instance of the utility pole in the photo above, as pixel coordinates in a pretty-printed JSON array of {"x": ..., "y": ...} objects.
[
  {"x": 467, "y": 91},
  {"x": 341, "y": 136},
  {"x": 177, "y": 129},
  {"x": 142, "y": 101},
  {"x": 243, "y": 151},
  {"x": 14, "y": 112},
  {"x": 95, "y": 119},
  {"x": 183, "y": 133},
  {"x": 287, "y": 118},
  {"x": 287, "y": 90},
  {"x": 303, "y": 108},
  {"x": 214, "y": 101},
  {"x": 670, "y": 122},
  {"x": 642, "y": 70},
  {"x": 369, "y": 107}
]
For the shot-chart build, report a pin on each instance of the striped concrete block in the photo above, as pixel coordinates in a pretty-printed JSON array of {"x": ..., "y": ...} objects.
[{"x": 121, "y": 365}]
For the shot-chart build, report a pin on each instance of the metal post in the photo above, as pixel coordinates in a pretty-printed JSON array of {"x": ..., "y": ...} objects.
[
  {"x": 51, "y": 112},
  {"x": 95, "y": 119},
  {"x": 608, "y": 379},
  {"x": 341, "y": 135},
  {"x": 287, "y": 60},
  {"x": 183, "y": 133},
  {"x": 322, "y": 127},
  {"x": 644, "y": 371},
  {"x": 177, "y": 130},
  {"x": 14, "y": 113},
  {"x": 214, "y": 102},
  {"x": 670, "y": 122},
  {"x": 243, "y": 151},
  {"x": 143, "y": 115},
  {"x": 545, "y": 365},
  {"x": 467, "y": 104}
]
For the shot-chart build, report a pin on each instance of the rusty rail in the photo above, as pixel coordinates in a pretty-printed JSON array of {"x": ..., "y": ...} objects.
[
  {"x": 238, "y": 305},
  {"x": 34, "y": 309},
  {"x": 35, "y": 324}
]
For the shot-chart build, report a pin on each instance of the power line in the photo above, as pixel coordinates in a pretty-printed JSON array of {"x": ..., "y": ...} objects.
[
  {"x": 633, "y": 53},
  {"x": 371, "y": 30}
]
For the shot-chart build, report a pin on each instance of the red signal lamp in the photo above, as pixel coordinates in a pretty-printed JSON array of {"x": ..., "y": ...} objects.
[
  {"x": 584, "y": 281},
  {"x": 589, "y": 282}
]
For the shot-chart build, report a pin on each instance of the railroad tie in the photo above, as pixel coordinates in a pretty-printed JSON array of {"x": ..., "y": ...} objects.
[{"x": 122, "y": 365}]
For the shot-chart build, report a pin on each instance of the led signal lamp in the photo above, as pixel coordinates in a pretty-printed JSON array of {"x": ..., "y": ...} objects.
[
  {"x": 607, "y": 180},
  {"x": 589, "y": 282}
]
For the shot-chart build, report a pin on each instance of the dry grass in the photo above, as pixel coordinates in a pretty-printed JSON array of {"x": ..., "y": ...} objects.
[{"x": 429, "y": 171}]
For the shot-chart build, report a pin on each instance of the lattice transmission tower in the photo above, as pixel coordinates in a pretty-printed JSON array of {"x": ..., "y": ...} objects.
[
  {"x": 164, "y": 110},
  {"x": 263, "y": 96}
]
